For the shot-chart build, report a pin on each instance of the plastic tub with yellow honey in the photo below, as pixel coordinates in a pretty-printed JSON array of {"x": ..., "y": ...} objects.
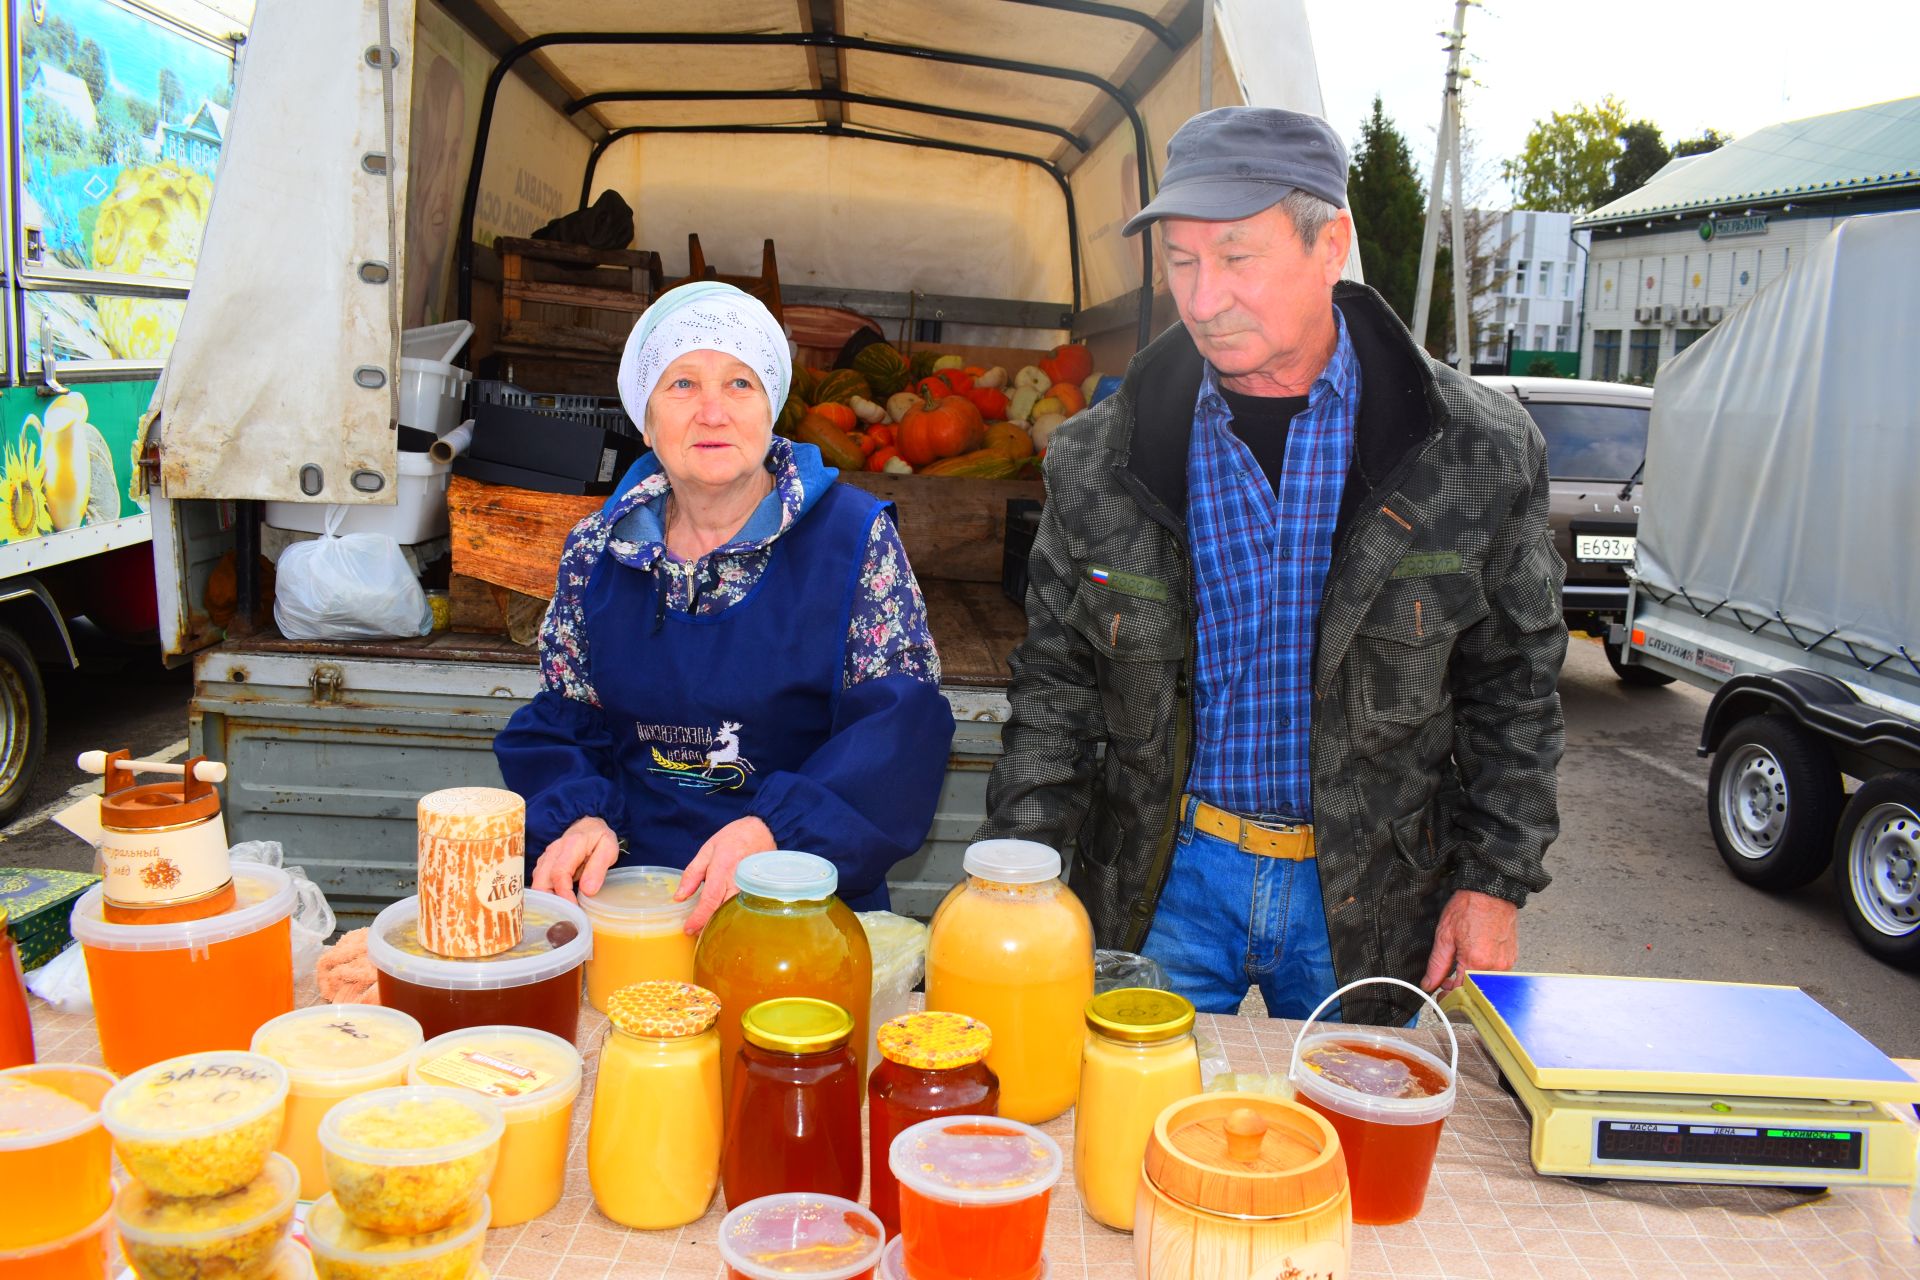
[
  {"x": 344, "y": 1251},
  {"x": 411, "y": 1160},
  {"x": 332, "y": 1052},
  {"x": 79, "y": 1255},
  {"x": 55, "y": 1158},
  {"x": 198, "y": 1125},
  {"x": 161, "y": 990},
  {"x": 234, "y": 1236},
  {"x": 533, "y": 1077},
  {"x": 639, "y": 932}
]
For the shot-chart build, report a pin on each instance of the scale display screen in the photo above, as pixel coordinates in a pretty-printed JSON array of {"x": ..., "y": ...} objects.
[{"x": 1629, "y": 1142}]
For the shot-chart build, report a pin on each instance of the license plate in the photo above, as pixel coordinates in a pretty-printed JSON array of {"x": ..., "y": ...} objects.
[{"x": 1606, "y": 548}]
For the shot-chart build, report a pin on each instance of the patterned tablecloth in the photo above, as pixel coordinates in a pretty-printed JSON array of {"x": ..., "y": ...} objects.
[{"x": 1488, "y": 1216}]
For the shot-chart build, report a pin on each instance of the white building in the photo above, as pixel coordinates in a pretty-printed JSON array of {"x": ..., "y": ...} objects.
[
  {"x": 67, "y": 91},
  {"x": 1670, "y": 260},
  {"x": 1535, "y": 260}
]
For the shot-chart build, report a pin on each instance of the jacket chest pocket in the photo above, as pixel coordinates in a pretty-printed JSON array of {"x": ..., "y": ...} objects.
[
  {"x": 1405, "y": 644},
  {"x": 1134, "y": 639}
]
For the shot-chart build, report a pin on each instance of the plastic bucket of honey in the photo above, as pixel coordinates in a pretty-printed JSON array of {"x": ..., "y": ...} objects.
[{"x": 1386, "y": 1097}]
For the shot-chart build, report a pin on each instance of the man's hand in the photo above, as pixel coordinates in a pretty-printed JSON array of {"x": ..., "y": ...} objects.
[
  {"x": 583, "y": 852},
  {"x": 1476, "y": 932},
  {"x": 711, "y": 872}
]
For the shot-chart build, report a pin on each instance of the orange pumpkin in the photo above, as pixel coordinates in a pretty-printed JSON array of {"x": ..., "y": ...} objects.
[
  {"x": 1075, "y": 363},
  {"x": 838, "y": 414},
  {"x": 1009, "y": 440},
  {"x": 1067, "y": 394},
  {"x": 940, "y": 430}
]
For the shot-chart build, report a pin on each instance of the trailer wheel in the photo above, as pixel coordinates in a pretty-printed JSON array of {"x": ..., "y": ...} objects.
[
  {"x": 1643, "y": 677},
  {"x": 23, "y": 721},
  {"x": 1877, "y": 867},
  {"x": 1773, "y": 801}
]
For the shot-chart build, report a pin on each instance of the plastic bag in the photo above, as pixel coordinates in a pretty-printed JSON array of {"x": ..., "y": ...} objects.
[
  {"x": 62, "y": 982},
  {"x": 1115, "y": 969},
  {"x": 313, "y": 920},
  {"x": 356, "y": 587},
  {"x": 899, "y": 947},
  {"x": 1249, "y": 1082}
]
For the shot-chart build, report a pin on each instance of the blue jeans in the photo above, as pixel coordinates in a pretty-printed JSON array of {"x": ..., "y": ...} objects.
[{"x": 1228, "y": 919}]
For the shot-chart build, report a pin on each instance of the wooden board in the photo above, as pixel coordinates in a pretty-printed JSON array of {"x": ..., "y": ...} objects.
[
  {"x": 975, "y": 629},
  {"x": 511, "y": 537},
  {"x": 954, "y": 527}
]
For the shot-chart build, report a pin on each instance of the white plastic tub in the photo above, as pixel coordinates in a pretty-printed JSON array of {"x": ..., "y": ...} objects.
[
  {"x": 431, "y": 386},
  {"x": 419, "y": 514}
]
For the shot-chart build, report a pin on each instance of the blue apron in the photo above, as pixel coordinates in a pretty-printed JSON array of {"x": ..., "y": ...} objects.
[{"x": 723, "y": 700}]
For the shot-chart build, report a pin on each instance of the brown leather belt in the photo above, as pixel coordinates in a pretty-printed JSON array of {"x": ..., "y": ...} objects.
[{"x": 1293, "y": 843}]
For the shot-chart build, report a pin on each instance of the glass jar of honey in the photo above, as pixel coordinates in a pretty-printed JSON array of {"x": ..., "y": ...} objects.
[
  {"x": 1140, "y": 1058},
  {"x": 785, "y": 934},
  {"x": 793, "y": 1111},
  {"x": 16, "y": 1025},
  {"x": 1013, "y": 947},
  {"x": 930, "y": 1066},
  {"x": 653, "y": 1150}
]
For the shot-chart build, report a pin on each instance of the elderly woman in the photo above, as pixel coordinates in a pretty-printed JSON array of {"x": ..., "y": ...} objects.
[{"x": 737, "y": 657}]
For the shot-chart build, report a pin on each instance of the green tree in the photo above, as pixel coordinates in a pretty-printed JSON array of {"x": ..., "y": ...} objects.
[
  {"x": 170, "y": 94},
  {"x": 1642, "y": 153},
  {"x": 51, "y": 41},
  {"x": 1567, "y": 162},
  {"x": 90, "y": 64},
  {"x": 1709, "y": 140},
  {"x": 1389, "y": 210}
]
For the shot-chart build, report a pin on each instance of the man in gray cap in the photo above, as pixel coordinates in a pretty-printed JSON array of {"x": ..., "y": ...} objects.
[{"x": 1293, "y": 624}]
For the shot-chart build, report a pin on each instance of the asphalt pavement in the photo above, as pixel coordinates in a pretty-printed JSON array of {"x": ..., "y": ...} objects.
[{"x": 1639, "y": 888}]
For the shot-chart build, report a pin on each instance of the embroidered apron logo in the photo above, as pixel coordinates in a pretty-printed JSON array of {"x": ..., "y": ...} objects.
[{"x": 719, "y": 767}]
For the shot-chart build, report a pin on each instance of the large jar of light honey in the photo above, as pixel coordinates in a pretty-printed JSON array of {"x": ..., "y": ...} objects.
[
  {"x": 784, "y": 934},
  {"x": 653, "y": 1150},
  {"x": 1013, "y": 947},
  {"x": 1241, "y": 1186}
]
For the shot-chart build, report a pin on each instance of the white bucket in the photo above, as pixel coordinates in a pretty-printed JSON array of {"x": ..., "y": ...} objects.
[
  {"x": 431, "y": 385},
  {"x": 418, "y": 514}
]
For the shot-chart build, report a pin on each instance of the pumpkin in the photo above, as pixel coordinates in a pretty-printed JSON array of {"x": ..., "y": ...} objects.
[
  {"x": 805, "y": 382},
  {"x": 990, "y": 401},
  {"x": 837, "y": 448},
  {"x": 841, "y": 386},
  {"x": 1010, "y": 440},
  {"x": 940, "y": 429},
  {"x": 838, "y": 414},
  {"x": 790, "y": 415},
  {"x": 1074, "y": 361},
  {"x": 920, "y": 363},
  {"x": 1068, "y": 394},
  {"x": 878, "y": 459},
  {"x": 947, "y": 382},
  {"x": 884, "y": 368}
]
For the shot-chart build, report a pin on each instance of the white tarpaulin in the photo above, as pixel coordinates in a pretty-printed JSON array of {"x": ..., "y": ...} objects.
[
  {"x": 1784, "y": 446},
  {"x": 263, "y": 383}
]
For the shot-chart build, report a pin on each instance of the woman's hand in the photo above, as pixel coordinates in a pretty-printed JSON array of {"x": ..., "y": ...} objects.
[
  {"x": 583, "y": 852},
  {"x": 711, "y": 871}
]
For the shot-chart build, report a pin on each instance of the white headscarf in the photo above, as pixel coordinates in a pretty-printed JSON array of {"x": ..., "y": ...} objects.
[{"x": 704, "y": 316}]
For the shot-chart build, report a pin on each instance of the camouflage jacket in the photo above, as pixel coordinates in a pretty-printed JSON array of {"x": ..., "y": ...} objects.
[{"x": 1436, "y": 725}]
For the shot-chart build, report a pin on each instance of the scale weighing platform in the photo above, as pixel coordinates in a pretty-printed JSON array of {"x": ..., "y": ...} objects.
[{"x": 1678, "y": 1081}]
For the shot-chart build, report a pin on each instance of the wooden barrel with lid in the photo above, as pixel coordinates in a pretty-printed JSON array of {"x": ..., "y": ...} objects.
[{"x": 1242, "y": 1186}]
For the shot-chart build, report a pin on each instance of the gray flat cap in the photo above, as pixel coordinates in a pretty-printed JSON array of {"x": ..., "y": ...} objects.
[{"x": 1232, "y": 162}]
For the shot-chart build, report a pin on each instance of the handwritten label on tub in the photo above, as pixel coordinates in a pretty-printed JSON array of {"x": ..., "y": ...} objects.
[{"x": 485, "y": 1073}]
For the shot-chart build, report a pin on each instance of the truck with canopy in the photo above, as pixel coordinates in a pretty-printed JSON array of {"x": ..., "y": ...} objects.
[
  {"x": 957, "y": 172},
  {"x": 1775, "y": 568}
]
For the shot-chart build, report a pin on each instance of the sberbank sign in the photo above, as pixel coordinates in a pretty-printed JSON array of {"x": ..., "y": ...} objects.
[{"x": 1720, "y": 228}]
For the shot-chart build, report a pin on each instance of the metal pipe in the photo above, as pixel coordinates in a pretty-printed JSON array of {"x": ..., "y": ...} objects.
[{"x": 824, "y": 95}]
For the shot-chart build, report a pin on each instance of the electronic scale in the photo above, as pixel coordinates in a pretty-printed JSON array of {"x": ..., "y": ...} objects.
[{"x": 1678, "y": 1081}]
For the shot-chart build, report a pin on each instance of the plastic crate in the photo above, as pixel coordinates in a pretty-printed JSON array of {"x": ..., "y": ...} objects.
[{"x": 604, "y": 412}]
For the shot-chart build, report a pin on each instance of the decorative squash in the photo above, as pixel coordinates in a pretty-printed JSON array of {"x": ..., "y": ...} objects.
[
  {"x": 1010, "y": 440},
  {"x": 947, "y": 382},
  {"x": 838, "y": 414},
  {"x": 840, "y": 386},
  {"x": 943, "y": 430},
  {"x": 790, "y": 415},
  {"x": 990, "y": 401},
  {"x": 982, "y": 464},
  {"x": 884, "y": 368},
  {"x": 837, "y": 448},
  {"x": 805, "y": 382},
  {"x": 1068, "y": 394},
  {"x": 1072, "y": 362},
  {"x": 920, "y": 363}
]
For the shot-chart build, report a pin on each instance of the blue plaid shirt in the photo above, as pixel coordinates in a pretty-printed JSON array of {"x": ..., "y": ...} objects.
[{"x": 1260, "y": 561}]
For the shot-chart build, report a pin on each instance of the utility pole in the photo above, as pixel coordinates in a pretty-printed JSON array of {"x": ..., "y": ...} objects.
[{"x": 1446, "y": 150}]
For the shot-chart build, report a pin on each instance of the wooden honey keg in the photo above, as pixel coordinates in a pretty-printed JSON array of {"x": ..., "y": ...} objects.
[
  {"x": 162, "y": 845},
  {"x": 1242, "y": 1186}
]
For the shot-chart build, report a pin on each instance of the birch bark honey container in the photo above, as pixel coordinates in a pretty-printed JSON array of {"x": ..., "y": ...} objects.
[
  {"x": 473, "y": 847},
  {"x": 1242, "y": 1186}
]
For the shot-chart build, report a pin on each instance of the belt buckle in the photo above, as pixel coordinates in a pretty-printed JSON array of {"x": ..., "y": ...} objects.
[{"x": 1283, "y": 829}]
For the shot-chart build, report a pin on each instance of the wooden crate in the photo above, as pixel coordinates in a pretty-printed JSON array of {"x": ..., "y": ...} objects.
[
  {"x": 511, "y": 537},
  {"x": 954, "y": 527}
]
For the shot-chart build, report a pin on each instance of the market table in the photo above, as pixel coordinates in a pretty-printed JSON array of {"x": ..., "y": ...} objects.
[{"x": 1488, "y": 1216}]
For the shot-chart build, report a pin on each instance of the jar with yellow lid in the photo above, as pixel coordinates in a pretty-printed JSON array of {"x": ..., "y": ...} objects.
[
  {"x": 931, "y": 1065},
  {"x": 793, "y": 1106},
  {"x": 1140, "y": 1058},
  {"x": 653, "y": 1148}
]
